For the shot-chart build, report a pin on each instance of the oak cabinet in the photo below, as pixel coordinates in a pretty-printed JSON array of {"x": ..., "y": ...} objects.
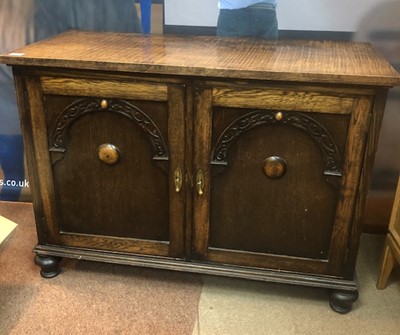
[{"x": 247, "y": 158}]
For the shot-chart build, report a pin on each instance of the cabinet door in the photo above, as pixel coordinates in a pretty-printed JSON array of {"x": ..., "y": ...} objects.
[
  {"x": 112, "y": 164},
  {"x": 277, "y": 173}
]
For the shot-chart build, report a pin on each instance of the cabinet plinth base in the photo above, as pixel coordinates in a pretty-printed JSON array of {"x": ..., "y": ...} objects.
[
  {"x": 49, "y": 265},
  {"x": 343, "y": 292},
  {"x": 342, "y": 301}
]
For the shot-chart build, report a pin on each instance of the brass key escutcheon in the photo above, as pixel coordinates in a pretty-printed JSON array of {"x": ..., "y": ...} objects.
[
  {"x": 200, "y": 182},
  {"x": 178, "y": 179}
]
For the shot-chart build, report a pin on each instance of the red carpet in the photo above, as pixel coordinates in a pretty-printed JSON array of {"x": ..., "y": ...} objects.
[{"x": 88, "y": 297}]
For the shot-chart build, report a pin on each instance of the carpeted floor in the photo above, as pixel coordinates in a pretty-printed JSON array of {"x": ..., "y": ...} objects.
[
  {"x": 96, "y": 298},
  {"x": 88, "y": 297}
]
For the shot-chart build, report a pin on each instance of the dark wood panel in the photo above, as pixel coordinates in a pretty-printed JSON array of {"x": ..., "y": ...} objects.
[
  {"x": 117, "y": 244},
  {"x": 262, "y": 260},
  {"x": 126, "y": 199},
  {"x": 246, "y": 212}
]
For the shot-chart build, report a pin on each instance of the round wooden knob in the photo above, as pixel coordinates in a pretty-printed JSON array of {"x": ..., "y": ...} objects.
[
  {"x": 108, "y": 153},
  {"x": 274, "y": 167}
]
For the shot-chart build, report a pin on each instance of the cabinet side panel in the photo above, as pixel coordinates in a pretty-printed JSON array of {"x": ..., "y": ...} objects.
[
  {"x": 27, "y": 133},
  {"x": 368, "y": 161},
  {"x": 43, "y": 176},
  {"x": 351, "y": 183}
]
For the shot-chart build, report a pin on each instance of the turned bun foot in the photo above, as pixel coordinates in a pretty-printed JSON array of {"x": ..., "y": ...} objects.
[
  {"x": 49, "y": 265},
  {"x": 342, "y": 301}
]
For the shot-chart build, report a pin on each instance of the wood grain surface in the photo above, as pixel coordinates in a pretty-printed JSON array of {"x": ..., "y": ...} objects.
[{"x": 306, "y": 61}]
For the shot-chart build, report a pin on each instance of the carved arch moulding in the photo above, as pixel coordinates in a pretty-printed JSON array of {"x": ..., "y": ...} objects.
[
  {"x": 318, "y": 133},
  {"x": 84, "y": 106}
]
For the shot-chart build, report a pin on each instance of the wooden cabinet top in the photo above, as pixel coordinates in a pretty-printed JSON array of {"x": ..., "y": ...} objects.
[{"x": 210, "y": 56}]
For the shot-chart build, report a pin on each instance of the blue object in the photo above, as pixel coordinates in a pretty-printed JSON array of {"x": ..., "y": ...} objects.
[
  {"x": 12, "y": 164},
  {"x": 145, "y": 16}
]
